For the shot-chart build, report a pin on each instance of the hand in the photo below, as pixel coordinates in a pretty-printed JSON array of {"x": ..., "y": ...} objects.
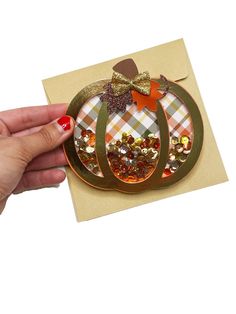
[{"x": 29, "y": 148}]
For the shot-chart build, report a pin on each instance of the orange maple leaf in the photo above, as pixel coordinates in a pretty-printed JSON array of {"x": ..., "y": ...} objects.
[{"x": 149, "y": 101}]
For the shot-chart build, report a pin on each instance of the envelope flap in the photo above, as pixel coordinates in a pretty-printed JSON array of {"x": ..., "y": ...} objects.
[{"x": 169, "y": 59}]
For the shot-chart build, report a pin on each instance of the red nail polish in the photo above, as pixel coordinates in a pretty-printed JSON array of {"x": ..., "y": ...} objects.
[{"x": 64, "y": 122}]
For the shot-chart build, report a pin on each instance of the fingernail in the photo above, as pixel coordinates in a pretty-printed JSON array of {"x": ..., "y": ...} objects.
[{"x": 64, "y": 122}]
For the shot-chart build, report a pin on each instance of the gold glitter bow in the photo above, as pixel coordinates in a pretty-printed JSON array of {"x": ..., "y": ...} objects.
[{"x": 121, "y": 84}]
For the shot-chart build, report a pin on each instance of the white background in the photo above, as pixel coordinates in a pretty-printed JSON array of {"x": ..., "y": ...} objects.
[{"x": 172, "y": 256}]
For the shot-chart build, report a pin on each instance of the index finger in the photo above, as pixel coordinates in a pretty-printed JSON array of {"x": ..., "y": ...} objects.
[{"x": 28, "y": 117}]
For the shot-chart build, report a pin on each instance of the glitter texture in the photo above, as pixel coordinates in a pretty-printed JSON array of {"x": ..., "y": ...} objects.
[{"x": 116, "y": 103}]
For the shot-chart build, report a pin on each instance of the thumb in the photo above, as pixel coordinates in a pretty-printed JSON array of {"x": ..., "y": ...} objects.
[{"x": 49, "y": 137}]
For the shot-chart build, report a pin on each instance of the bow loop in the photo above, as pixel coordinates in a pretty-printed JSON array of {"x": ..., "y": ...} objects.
[{"x": 121, "y": 84}]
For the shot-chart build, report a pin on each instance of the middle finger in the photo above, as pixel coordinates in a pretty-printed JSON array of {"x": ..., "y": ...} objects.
[{"x": 55, "y": 158}]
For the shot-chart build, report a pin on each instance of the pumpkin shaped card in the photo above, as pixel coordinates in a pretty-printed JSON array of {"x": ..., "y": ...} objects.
[
  {"x": 133, "y": 132},
  {"x": 142, "y": 133}
]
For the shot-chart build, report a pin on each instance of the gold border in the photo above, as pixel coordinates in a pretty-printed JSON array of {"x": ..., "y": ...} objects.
[
  {"x": 198, "y": 131},
  {"x": 109, "y": 181}
]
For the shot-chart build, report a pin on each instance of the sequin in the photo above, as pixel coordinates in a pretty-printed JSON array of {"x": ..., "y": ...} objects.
[
  {"x": 112, "y": 147},
  {"x": 179, "y": 148},
  {"x": 144, "y": 151},
  {"x": 138, "y": 141},
  {"x": 187, "y": 148},
  {"x": 85, "y": 147},
  {"x": 91, "y": 141},
  {"x": 184, "y": 140},
  {"x": 83, "y": 133},
  {"x": 174, "y": 140},
  {"x": 130, "y": 139},
  {"x": 79, "y": 142},
  {"x": 123, "y": 149},
  {"x": 174, "y": 166},
  {"x": 137, "y": 158},
  {"x": 186, "y": 151},
  {"x": 178, "y": 154},
  {"x": 156, "y": 143},
  {"x": 86, "y": 138},
  {"x": 182, "y": 157},
  {"x": 89, "y": 149},
  {"x": 151, "y": 135},
  {"x": 172, "y": 157},
  {"x": 132, "y": 159},
  {"x": 130, "y": 155}
]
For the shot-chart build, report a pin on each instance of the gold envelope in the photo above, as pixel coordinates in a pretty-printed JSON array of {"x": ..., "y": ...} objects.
[{"x": 171, "y": 60}]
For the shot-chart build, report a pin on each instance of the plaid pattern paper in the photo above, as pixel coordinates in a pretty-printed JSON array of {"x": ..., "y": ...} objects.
[
  {"x": 178, "y": 117},
  {"x": 137, "y": 123},
  {"x": 87, "y": 117}
]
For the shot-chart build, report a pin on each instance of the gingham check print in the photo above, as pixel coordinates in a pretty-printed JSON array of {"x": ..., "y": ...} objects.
[
  {"x": 87, "y": 117},
  {"x": 137, "y": 123},
  {"x": 132, "y": 121},
  {"x": 178, "y": 117}
]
